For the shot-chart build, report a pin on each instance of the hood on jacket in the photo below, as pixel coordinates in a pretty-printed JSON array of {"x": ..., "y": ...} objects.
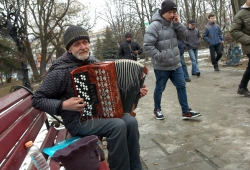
[{"x": 245, "y": 6}]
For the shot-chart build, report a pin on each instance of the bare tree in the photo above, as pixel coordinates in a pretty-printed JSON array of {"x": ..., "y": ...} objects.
[
  {"x": 44, "y": 25},
  {"x": 47, "y": 22}
]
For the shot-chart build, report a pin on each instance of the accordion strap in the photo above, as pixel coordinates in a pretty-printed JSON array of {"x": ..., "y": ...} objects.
[{"x": 67, "y": 65}]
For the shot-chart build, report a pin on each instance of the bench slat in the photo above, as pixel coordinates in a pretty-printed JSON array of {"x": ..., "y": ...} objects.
[
  {"x": 54, "y": 165},
  {"x": 10, "y": 99},
  {"x": 14, "y": 133},
  {"x": 14, "y": 113},
  {"x": 48, "y": 142},
  {"x": 18, "y": 154},
  {"x": 22, "y": 123}
]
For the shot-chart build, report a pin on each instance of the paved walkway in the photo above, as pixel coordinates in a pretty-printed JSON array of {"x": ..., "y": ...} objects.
[{"x": 219, "y": 139}]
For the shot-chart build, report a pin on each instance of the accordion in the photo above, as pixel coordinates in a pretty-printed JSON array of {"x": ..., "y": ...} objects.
[{"x": 110, "y": 89}]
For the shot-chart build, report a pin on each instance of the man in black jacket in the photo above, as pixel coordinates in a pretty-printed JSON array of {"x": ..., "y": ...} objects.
[
  {"x": 56, "y": 96},
  {"x": 129, "y": 49}
]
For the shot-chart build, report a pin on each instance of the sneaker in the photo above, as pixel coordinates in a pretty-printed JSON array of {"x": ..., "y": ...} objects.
[
  {"x": 188, "y": 80},
  {"x": 158, "y": 114},
  {"x": 198, "y": 74},
  {"x": 243, "y": 91},
  {"x": 190, "y": 114},
  {"x": 216, "y": 69}
]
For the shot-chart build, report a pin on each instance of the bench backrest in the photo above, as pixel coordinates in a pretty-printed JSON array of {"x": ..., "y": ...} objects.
[{"x": 19, "y": 123}]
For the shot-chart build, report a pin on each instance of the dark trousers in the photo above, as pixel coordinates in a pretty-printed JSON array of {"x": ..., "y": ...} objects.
[
  {"x": 215, "y": 49},
  {"x": 246, "y": 75},
  {"x": 122, "y": 137}
]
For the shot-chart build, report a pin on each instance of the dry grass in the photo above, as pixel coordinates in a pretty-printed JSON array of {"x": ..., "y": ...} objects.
[{"x": 5, "y": 88}]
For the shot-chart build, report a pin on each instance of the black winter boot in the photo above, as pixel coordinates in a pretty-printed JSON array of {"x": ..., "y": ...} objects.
[{"x": 216, "y": 67}]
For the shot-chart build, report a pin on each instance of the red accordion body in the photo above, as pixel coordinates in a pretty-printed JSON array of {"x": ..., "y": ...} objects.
[{"x": 97, "y": 84}]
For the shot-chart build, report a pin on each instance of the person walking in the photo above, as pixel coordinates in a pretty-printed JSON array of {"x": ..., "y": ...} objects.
[
  {"x": 193, "y": 41},
  {"x": 240, "y": 32},
  {"x": 56, "y": 96},
  {"x": 129, "y": 49},
  {"x": 160, "y": 43},
  {"x": 181, "y": 46},
  {"x": 213, "y": 36}
]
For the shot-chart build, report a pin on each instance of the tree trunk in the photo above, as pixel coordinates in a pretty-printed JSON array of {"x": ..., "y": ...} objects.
[
  {"x": 187, "y": 10},
  {"x": 236, "y": 4},
  {"x": 29, "y": 56}
]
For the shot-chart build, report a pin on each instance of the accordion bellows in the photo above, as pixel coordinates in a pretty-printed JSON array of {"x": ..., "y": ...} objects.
[{"x": 109, "y": 88}]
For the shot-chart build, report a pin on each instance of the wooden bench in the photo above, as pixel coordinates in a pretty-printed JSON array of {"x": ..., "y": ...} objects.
[{"x": 20, "y": 123}]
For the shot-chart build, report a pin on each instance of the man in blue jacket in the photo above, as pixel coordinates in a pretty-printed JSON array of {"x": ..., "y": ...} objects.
[{"x": 213, "y": 36}]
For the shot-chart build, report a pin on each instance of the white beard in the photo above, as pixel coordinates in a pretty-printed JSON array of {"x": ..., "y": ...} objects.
[{"x": 82, "y": 56}]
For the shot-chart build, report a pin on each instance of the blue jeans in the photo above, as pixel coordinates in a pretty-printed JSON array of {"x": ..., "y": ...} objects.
[
  {"x": 193, "y": 57},
  {"x": 215, "y": 49},
  {"x": 246, "y": 75},
  {"x": 184, "y": 67},
  {"x": 177, "y": 78}
]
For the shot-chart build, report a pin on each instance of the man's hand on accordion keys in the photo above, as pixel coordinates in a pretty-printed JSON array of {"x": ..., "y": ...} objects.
[
  {"x": 74, "y": 103},
  {"x": 143, "y": 91}
]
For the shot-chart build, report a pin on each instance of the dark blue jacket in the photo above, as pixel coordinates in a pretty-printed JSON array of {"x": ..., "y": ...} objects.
[
  {"x": 212, "y": 34},
  {"x": 181, "y": 46}
]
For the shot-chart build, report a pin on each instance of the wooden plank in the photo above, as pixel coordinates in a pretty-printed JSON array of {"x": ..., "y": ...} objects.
[
  {"x": 12, "y": 135},
  {"x": 10, "y": 99},
  {"x": 18, "y": 154},
  {"x": 54, "y": 165},
  {"x": 61, "y": 134},
  {"x": 14, "y": 113},
  {"x": 48, "y": 142}
]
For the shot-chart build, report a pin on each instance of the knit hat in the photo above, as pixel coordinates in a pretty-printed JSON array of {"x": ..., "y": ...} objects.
[
  {"x": 191, "y": 22},
  {"x": 74, "y": 33},
  {"x": 82, "y": 154},
  {"x": 128, "y": 35},
  {"x": 167, "y": 5}
]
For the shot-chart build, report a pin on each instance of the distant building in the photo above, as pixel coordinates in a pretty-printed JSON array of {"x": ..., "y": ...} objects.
[{"x": 94, "y": 35}]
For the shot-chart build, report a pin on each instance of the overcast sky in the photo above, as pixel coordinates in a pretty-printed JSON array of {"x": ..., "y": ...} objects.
[{"x": 98, "y": 5}]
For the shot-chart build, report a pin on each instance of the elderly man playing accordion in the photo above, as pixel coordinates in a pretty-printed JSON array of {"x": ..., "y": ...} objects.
[{"x": 56, "y": 96}]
